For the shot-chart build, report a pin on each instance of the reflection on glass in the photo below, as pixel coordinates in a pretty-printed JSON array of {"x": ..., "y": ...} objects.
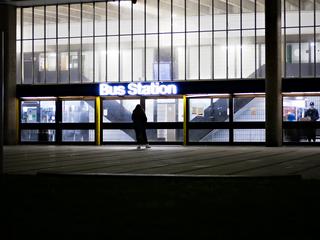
[
  {"x": 27, "y": 63},
  {"x": 112, "y": 59},
  {"x": 209, "y": 110},
  {"x": 209, "y": 135},
  {"x": 38, "y": 111},
  {"x": 165, "y": 135},
  {"x": 63, "y": 15},
  {"x": 38, "y": 22},
  {"x": 119, "y": 135},
  {"x": 81, "y": 135},
  {"x": 192, "y": 56},
  {"x": 51, "y": 21},
  {"x": 100, "y": 59},
  {"x": 249, "y": 135},
  {"x": 164, "y": 110},
  {"x": 39, "y": 62},
  {"x": 27, "y": 23},
  {"x": 74, "y": 64},
  {"x": 118, "y": 110},
  {"x": 75, "y": 111},
  {"x": 35, "y": 135},
  {"x": 63, "y": 60},
  {"x": 100, "y": 18},
  {"x": 179, "y": 66},
  {"x": 51, "y": 61},
  {"x": 75, "y": 20},
  {"x": 125, "y": 59},
  {"x": 248, "y": 109},
  {"x": 87, "y": 19},
  {"x": 138, "y": 58},
  {"x": 87, "y": 60}
]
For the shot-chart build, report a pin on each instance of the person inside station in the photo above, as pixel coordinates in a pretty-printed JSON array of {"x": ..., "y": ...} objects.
[{"x": 312, "y": 115}]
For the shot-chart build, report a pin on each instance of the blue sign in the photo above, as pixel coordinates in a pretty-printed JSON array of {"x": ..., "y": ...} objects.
[{"x": 133, "y": 89}]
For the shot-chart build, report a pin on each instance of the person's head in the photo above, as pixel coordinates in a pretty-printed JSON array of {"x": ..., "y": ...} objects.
[
  {"x": 139, "y": 107},
  {"x": 311, "y": 104}
]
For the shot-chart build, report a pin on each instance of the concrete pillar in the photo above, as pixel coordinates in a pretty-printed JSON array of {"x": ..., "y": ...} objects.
[
  {"x": 8, "y": 25},
  {"x": 273, "y": 74}
]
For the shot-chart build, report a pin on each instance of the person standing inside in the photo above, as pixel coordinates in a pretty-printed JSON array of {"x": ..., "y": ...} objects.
[
  {"x": 313, "y": 115},
  {"x": 139, "y": 119}
]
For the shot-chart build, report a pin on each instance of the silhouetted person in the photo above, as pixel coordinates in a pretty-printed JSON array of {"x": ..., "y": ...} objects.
[
  {"x": 139, "y": 119},
  {"x": 313, "y": 115}
]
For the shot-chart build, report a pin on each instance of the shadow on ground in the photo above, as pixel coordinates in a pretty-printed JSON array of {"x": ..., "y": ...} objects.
[{"x": 53, "y": 206}]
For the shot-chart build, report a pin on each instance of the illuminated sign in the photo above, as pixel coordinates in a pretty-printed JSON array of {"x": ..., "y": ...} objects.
[{"x": 133, "y": 89}]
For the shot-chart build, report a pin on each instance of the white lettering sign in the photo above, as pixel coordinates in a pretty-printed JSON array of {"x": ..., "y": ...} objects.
[{"x": 133, "y": 89}]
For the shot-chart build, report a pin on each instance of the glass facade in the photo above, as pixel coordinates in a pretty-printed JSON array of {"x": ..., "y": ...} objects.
[{"x": 146, "y": 41}]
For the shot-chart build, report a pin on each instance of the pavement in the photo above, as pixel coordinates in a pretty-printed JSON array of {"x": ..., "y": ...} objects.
[{"x": 164, "y": 160}]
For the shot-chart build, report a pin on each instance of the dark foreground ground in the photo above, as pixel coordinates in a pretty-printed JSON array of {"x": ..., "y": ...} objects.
[{"x": 55, "y": 206}]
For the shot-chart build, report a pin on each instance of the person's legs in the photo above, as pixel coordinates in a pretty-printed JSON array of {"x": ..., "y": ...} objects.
[{"x": 145, "y": 138}]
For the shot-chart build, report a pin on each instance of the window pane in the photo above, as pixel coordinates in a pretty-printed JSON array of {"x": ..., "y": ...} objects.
[
  {"x": 81, "y": 135},
  {"x": 234, "y": 54},
  {"x": 220, "y": 20},
  {"x": 113, "y": 60},
  {"x": 307, "y": 52},
  {"x": 18, "y": 62},
  {"x": 51, "y": 21},
  {"x": 75, "y": 20},
  {"x": 206, "y": 55},
  {"x": 138, "y": 58},
  {"x": 192, "y": 15},
  {"x": 220, "y": 55},
  {"x": 164, "y": 110},
  {"x": 292, "y": 13},
  {"x": 100, "y": 59},
  {"x": 27, "y": 66},
  {"x": 248, "y": 54},
  {"x": 125, "y": 59},
  {"x": 74, "y": 65},
  {"x": 292, "y": 52},
  {"x": 260, "y": 53},
  {"x": 125, "y": 17},
  {"x": 87, "y": 19},
  {"x": 119, "y": 135},
  {"x": 317, "y": 13},
  {"x": 178, "y": 15},
  {"x": 205, "y": 15},
  {"x": 151, "y": 57},
  {"x": 179, "y": 56},
  {"x": 18, "y": 29},
  {"x": 35, "y": 135},
  {"x": 247, "y": 109},
  {"x": 75, "y": 111},
  {"x": 39, "y": 22},
  {"x": 51, "y": 61},
  {"x": 112, "y": 18},
  {"x": 38, "y": 111},
  {"x": 152, "y": 16},
  {"x": 63, "y": 14},
  {"x": 118, "y": 110},
  {"x": 100, "y": 18},
  {"x": 209, "y": 135},
  {"x": 164, "y": 16},
  {"x": 192, "y": 56},
  {"x": 234, "y": 16},
  {"x": 307, "y": 12},
  {"x": 209, "y": 110},
  {"x": 249, "y": 135},
  {"x": 164, "y": 58},
  {"x": 165, "y": 135},
  {"x": 260, "y": 14},
  {"x": 87, "y": 60},
  {"x": 248, "y": 14},
  {"x": 63, "y": 60},
  {"x": 138, "y": 17},
  {"x": 27, "y": 23},
  {"x": 39, "y": 62}
]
